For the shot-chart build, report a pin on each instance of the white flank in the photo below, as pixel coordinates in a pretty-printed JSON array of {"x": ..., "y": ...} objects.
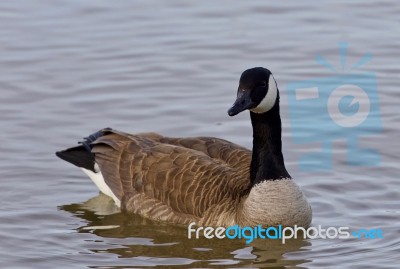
[
  {"x": 98, "y": 179},
  {"x": 270, "y": 98}
]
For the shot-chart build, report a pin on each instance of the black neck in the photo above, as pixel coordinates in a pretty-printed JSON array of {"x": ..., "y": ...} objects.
[{"x": 267, "y": 161}]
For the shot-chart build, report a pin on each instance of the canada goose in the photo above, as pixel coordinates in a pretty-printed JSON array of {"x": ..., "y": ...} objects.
[{"x": 206, "y": 180}]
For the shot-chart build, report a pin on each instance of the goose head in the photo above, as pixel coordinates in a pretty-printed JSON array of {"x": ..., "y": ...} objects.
[{"x": 257, "y": 92}]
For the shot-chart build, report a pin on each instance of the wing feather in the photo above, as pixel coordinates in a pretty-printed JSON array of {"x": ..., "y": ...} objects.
[{"x": 171, "y": 179}]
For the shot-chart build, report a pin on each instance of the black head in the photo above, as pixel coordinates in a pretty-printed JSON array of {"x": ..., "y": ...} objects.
[{"x": 257, "y": 91}]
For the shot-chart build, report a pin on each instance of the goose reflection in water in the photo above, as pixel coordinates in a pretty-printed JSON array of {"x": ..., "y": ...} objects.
[{"x": 145, "y": 242}]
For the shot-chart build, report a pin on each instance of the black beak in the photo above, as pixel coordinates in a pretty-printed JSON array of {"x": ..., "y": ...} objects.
[{"x": 243, "y": 102}]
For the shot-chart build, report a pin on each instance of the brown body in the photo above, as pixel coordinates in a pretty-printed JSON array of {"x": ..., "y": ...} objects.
[{"x": 177, "y": 180}]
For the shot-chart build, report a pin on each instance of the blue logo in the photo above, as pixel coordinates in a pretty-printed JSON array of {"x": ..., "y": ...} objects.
[{"x": 343, "y": 106}]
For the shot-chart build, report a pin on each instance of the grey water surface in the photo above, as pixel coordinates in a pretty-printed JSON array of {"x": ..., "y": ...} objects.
[{"x": 69, "y": 68}]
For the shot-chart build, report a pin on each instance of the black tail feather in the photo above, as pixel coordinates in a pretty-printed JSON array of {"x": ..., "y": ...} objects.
[
  {"x": 78, "y": 156},
  {"x": 82, "y": 155}
]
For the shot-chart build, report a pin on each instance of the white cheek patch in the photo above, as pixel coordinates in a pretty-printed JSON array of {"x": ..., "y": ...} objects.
[{"x": 270, "y": 98}]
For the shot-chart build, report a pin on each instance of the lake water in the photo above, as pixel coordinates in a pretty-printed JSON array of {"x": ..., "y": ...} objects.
[{"x": 69, "y": 68}]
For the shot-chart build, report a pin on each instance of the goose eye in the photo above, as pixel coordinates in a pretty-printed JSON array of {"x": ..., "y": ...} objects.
[{"x": 263, "y": 84}]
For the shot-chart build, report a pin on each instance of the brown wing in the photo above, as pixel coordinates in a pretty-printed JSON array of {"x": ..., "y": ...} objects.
[
  {"x": 169, "y": 181},
  {"x": 232, "y": 154},
  {"x": 216, "y": 148}
]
